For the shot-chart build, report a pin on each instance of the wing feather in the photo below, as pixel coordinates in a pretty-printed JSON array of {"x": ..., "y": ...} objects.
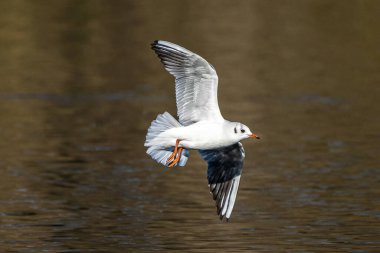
[
  {"x": 224, "y": 170},
  {"x": 196, "y": 83}
]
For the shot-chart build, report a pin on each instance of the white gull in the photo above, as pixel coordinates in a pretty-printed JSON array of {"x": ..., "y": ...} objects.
[{"x": 201, "y": 126}]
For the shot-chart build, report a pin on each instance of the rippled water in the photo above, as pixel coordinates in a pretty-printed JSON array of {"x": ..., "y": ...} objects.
[{"x": 79, "y": 86}]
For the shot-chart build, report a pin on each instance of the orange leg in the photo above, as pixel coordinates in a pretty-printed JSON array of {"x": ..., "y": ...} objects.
[
  {"x": 176, "y": 160},
  {"x": 174, "y": 152}
]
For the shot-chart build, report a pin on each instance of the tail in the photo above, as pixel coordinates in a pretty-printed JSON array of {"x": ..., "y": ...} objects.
[{"x": 159, "y": 153}]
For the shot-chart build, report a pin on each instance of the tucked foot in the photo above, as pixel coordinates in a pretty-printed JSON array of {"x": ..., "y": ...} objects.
[
  {"x": 176, "y": 160},
  {"x": 171, "y": 157}
]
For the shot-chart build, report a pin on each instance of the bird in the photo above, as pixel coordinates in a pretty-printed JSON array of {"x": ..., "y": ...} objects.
[{"x": 200, "y": 126}]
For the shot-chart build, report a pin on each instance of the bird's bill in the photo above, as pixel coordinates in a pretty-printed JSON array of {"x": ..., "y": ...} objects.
[{"x": 254, "y": 136}]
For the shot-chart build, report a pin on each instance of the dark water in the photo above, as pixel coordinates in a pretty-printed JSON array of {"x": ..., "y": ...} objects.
[{"x": 79, "y": 86}]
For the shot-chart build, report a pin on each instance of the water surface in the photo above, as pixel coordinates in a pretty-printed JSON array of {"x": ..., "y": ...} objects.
[{"x": 79, "y": 86}]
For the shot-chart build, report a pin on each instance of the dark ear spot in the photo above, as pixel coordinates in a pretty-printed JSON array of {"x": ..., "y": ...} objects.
[{"x": 235, "y": 130}]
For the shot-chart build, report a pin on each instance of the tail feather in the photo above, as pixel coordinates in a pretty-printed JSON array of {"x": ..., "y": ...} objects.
[
  {"x": 153, "y": 141},
  {"x": 162, "y": 155}
]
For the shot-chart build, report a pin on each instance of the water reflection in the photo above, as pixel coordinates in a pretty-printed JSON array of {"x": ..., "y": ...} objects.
[{"x": 79, "y": 87}]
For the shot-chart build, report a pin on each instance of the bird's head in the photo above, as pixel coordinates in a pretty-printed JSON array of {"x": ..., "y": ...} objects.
[{"x": 241, "y": 132}]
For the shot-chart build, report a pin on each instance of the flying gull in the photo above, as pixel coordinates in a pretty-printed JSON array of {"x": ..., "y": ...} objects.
[{"x": 200, "y": 126}]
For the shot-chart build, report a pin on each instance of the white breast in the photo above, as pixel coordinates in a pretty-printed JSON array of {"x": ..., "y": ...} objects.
[{"x": 204, "y": 135}]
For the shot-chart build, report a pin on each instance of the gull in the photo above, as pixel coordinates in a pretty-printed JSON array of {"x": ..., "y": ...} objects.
[{"x": 200, "y": 126}]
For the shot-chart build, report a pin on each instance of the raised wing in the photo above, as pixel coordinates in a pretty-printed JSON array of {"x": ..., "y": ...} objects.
[
  {"x": 196, "y": 83},
  {"x": 224, "y": 170}
]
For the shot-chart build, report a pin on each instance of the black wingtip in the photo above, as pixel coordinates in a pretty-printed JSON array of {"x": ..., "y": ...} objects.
[
  {"x": 224, "y": 218},
  {"x": 154, "y": 44}
]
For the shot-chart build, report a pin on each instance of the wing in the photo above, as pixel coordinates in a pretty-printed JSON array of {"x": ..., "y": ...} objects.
[
  {"x": 196, "y": 83},
  {"x": 224, "y": 170}
]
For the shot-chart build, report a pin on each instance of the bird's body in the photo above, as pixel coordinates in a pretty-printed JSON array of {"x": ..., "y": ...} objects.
[
  {"x": 201, "y": 135},
  {"x": 201, "y": 126}
]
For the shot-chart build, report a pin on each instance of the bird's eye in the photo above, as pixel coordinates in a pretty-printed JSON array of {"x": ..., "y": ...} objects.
[{"x": 243, "y": 131}]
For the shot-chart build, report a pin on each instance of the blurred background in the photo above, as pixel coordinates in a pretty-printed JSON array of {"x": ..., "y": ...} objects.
[{"x": 79, "y": 86}]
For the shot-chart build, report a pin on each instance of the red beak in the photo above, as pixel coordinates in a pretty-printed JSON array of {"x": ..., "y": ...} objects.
[{"x": 254, "y": 136}]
